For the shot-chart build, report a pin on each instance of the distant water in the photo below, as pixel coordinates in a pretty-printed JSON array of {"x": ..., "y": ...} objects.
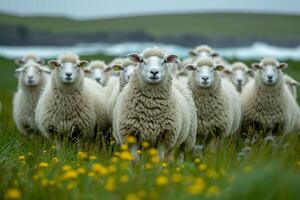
[{"x": 255, "y": 51}]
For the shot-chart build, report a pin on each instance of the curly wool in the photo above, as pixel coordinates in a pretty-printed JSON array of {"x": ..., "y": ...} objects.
[
  {"x": 271, "y": 108},
  {"x": 218, "y": 108},
  {"x": 69, "y": 58},
  {"x": 154, "y": 51},
  {"x": 63, "y": 108},
  {"x": 153, "y": 113},
  {"x": 203, "y": 48},
  {"x": 97, "y": 64},
  {"x": 239, "y": 66}
]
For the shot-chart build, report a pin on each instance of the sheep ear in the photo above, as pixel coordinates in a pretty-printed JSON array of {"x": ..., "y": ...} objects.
[
  {"x": 282, "y": 66},
  {"x": 256, "y": 66},
  {"x": 171, "y": 58},
  {"x": 107, "y": 69},
  {"x": 46, "y": 70},
  {"x": 83, "y": 63},
  {"x": 219, "y": 67},
  {"x": 227, "y": 72},
  {"x": 117, "y": 67},
  {"x": 134, "y": 57},
  {"x": 192, "y": 53},
  {"x": 190, "y": 67},
  {"x": 250, "y": 73},
  {"x": 214, "y": 55},
  {"x": 53, "y": 63},
  {"x": 87, "y": 71},
  {"x": 19, "y": 61},
  {"x": 18, "y": 71}
]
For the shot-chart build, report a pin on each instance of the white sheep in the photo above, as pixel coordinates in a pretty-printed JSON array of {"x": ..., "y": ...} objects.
[
  {"x": 98, "y": 71},
  {"x": 239, "y": 74},
  {"x": 292, "y": 85},
  {"x": 217, "y": 101},
  {"x": 267, "y": 103},
  {"x": 29, "y": 57},
  {"x": 71, "y": 105},
  {"x": 32, "y": 78},
  {"x": 116, "y": 61},
  {"x": 153, "y": 108},
  {"x": 126, "y": 69}
]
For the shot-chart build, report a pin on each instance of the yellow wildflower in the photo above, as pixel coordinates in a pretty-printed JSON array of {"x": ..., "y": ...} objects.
[
  {"x": 66, "y": 167},
  {"x": 139, "y": 152},
  {"x": 81, "y": 170},
  {"x": 197, "y": 160},
  {"x": 97, "y": 168},
  {"x": 213, "y": 191},
  {"x": 132, "y": 197},
  {"x": 55, "y": 159},
  {"x": 13, "y": 193},
  {"x": 93, "y": 157},
  {"x": 131, "y": 139},
  {"x": 202, "y": 167},
  {"x": 177, "y": 169},
  {"x": 164, "y": 164},
  {"x": 124, "y": 179},
  {"x": 153, "y": 152},
  {"x": 82, "y": 155},
  {"x": 112, "y": 169},
  {"x": 155, "y": 159},
  {"x": 71, "y": 185},
  {"x": 124, "y": 147},
  {"x": 114, "y": 159},
  {"x": 176, "y": 178},
  {"x": 71, "y": 174},
  {"x": 197, "y": 187},
  {"x": 22, "y": 158},
  {"x": 145, "y": 144},
  {"x": 161, "y": 181},
  {"x": 43, "y": 165},
  {"x": 126, "y": 155},
  {"x": 148, "y": 166}
]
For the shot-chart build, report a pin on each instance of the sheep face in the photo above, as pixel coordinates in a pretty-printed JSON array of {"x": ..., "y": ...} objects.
[
  {"x": 31, "y": 73},
  {"x": 269, "y": 74},
  {"x": 98, "y": 74},
  {"x": 68, "y": 72},
  {"x": 127, "y": 72},
  {"x": 153, "y": 69},
  {"x": 239, "y": 77},
  {"x": 204, "y": 75}
]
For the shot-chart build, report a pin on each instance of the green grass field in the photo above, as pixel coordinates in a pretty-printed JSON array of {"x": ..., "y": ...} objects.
[
  {"x": 30, "y": 168},
  {"x": 209, "y": 24}
]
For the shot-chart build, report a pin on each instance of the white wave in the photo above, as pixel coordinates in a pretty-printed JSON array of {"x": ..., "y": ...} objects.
[{"x": 255, "y": 51}]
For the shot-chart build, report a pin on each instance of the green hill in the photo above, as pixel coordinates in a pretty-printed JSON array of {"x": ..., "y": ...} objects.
[{"x": 205, "y": 24}]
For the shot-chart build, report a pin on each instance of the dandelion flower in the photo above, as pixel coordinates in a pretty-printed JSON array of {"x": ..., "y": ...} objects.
[
  {"x": 145, "y": 144},
  {"x": 82, "y": 155},
  {"x": 43, "y": 165},
  {"x": 22, "y": 158},
  {"x": 13, "y": 193},
  {"x": 124, "y": 147},
  {"x": 110, "y": 185},
  {"x": 93, "y": 157},
  {"x": 161, "y": 181},
  {"x": 131, "y": 140},
  {"x": 197, "y": 187},
  {"x": 66, "y": 168},
  {"x": 71, "y": 174},
  {"x": 97, "y": 168},
  {"x": 126, "y": 155},
  {"x": 55, "y": 159},
  {"x": 202, "y": 167}
]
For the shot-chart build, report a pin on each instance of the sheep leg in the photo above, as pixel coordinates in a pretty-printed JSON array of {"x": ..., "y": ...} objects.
[
  {"x": 133, "y": 150},
  {"x": 162, "y": 148}
]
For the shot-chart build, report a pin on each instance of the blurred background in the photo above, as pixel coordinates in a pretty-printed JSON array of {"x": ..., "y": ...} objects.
[{"x": 236, "y": 28}]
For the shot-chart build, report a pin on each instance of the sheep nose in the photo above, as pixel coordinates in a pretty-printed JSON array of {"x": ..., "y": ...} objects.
[
  {"x": 205, "y": 78},
  {"x": 270, "y": 77},
  {"x": 98, "y": 79},
  {"x": 154, "y": 72},
  {"x": 30, "y": 77},
  {"x": 68, "y": 74},
  {"x": 239, "y": 80}
]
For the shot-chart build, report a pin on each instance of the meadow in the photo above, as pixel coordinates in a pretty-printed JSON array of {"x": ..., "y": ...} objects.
[{"x": 31, "y": 167}]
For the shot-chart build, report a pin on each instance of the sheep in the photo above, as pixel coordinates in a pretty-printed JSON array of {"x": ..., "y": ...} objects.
[
  {"x": 28, "y": 57},
  {"x": 71, "y": 106},
  {"x": 127, "y": 67},
  {"x": 32, "y": 78},
  {"x": 239, "y": 75},
  {"x": 98, "y": 71},
  {"x": 116, "y": 61},
  {"x": 217, "y": 101},
  {"x": 153, "y": 108},
  {"x": 267, "y": 103},
  {"x": 292, "y": 85}
]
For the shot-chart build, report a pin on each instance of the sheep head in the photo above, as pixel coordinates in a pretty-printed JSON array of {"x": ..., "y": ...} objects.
[{"x": 98, "y": 71}]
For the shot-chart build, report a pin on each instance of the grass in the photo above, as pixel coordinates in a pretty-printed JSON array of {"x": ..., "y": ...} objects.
[
  {"x": 31, "y": 168},
  {"x": 205, "y": 24}
]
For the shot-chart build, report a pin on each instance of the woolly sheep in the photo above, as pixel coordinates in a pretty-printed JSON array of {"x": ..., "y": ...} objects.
[
  {"x": 217, "y": 101},
  {"x": 239, "y": 75},
  {"x": 153, "y": 108},
  {"x": 29, "y": 57},
  {"x": 267, "y": 104},
  {"x": 32, "y": 78},
  {"x": 127, "y": 68},
  {"x": 116, "y": 61},
  {"x": 71, "y": 105},
  {"x": 98, "y": 71},
  {"x": 292, "y": 85}
]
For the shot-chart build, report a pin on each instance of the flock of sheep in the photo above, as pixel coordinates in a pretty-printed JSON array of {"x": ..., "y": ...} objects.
[{"x": 171, "y": 103}]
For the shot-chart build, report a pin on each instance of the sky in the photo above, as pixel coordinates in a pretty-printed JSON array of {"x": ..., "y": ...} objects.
[{"x": 89, "y": 9}]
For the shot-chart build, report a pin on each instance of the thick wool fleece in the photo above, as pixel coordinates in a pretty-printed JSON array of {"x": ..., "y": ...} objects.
[
  {"x": 218, "y": 108},
  {"x": 153, "y": 113},
  {"x": 271, "y": 108},
  {"x": 63, "y": 109}
]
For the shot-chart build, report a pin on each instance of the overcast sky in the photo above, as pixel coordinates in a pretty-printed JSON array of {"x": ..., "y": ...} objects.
[{"x": 84, "y": 9}]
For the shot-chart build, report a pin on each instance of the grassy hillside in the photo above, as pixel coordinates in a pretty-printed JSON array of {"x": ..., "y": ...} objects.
[
  {"x": 31, "y": 168},
  {"x": 209, "y": 24}
]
